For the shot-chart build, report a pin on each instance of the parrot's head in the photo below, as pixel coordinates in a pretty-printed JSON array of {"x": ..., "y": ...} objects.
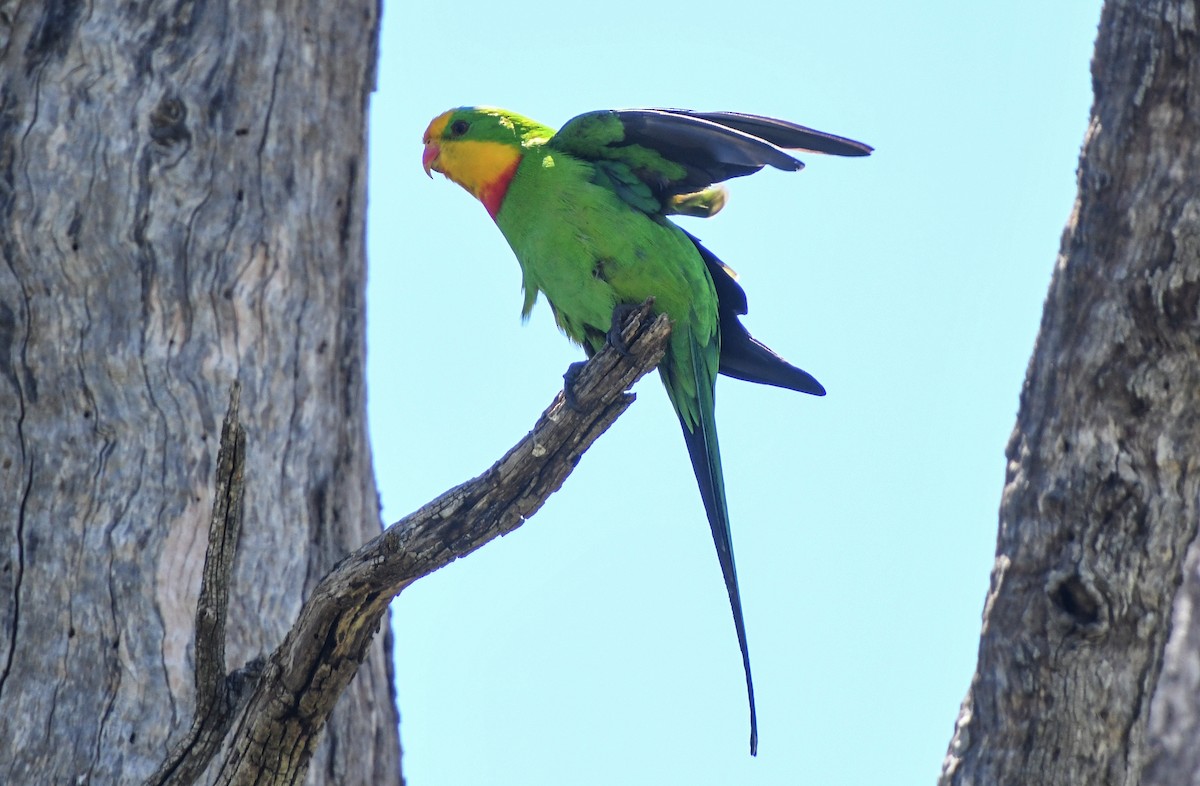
[{"x": 479, "y": 148}]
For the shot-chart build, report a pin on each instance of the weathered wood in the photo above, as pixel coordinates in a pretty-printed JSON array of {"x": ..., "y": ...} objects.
[
  {"x": 1103, "y": 490},
  {"x": 1173, "y": 739},
  {"x": 215, "y": 701},
  {"x": 290, "y": 700},
  {"x": 182, "y": 199}
]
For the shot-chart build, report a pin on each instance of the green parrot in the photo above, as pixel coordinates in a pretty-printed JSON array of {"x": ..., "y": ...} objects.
[{"x": 585, "y": 211}]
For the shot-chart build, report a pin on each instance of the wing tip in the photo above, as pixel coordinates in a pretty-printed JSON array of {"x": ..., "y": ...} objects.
[{"x": 859, "y": 149}]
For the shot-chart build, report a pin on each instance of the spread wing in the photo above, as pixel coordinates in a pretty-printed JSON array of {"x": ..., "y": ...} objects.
[{"x": 666, "y": 153}]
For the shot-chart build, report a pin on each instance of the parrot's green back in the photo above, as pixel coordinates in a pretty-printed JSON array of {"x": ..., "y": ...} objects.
[{"x": 585, "y": 213}]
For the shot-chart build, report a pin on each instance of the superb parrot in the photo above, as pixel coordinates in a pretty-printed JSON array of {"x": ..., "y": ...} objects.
[{"x": 585, "y": 211}]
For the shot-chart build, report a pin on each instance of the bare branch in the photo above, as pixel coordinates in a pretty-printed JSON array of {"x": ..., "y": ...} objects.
[
  {"x": 213, "y": 700},
  {"x": 274, "y": 736}
]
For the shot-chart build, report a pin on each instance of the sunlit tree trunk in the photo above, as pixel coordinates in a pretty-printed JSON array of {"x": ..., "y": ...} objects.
[
  {"x": 182, "y": 194},
  {"x": 1103, "y": 488}
]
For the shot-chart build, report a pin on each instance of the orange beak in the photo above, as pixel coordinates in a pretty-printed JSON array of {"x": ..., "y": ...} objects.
[{"x": 429, "y": 158}]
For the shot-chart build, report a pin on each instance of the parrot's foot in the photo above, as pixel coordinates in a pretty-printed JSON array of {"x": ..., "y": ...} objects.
[
  {"x": 569, "y": 379},
  {"x": 614, "y": 338}
]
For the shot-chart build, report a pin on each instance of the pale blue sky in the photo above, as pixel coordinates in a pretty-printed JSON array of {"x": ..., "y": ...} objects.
[{"x": 595, "y": 644}]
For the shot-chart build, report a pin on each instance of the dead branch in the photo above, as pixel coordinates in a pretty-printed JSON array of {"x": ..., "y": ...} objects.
[{"x": 273, "y": 733}]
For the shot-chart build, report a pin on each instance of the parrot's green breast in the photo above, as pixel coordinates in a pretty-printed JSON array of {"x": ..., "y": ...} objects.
[{"x": 587, "y": 250}]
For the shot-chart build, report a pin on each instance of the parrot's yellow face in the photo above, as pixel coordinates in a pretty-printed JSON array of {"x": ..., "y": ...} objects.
[{"x": 465, "y": 147}]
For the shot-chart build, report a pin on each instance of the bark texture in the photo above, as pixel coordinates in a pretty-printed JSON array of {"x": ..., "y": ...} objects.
[
  {"x": 182, "y": 193},
  {"x": 276, "y": 729},
  {"x": 1173, "y": 747},
  {"x": 1103, "y": 483},
  {"x": 277, "y": 707}
]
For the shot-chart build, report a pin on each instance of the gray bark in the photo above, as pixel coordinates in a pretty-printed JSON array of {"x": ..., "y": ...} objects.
[
  {"x": 182, "y": 192},
  {"x": 274, "y": 721},
  {"x": 1103, "y": 484},
  {"x": 1173, "y": 745}
]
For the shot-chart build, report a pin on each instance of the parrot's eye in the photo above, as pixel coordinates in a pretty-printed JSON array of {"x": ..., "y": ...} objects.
[{"x": 459, "y": 127}]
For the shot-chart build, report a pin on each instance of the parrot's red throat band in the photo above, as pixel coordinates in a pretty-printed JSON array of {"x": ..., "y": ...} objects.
[{"x": 492, "y": 194}]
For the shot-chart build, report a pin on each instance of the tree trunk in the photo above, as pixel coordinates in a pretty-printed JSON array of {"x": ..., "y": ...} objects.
[
  {"x": 1173, "y": 744},
  {"x": 1103, "y": 485},
  {"x": 182, "y": 194}
]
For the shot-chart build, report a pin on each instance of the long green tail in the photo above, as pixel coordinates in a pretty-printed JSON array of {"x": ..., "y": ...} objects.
[{"x": 706, "y": 462}]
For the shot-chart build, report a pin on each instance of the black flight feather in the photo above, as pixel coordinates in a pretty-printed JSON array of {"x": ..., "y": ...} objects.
[
  {"x": 790, "y": 136},
  {"x": 742, "y": 355}
]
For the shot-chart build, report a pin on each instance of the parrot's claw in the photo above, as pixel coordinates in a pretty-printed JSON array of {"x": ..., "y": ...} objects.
[
  {"x": 569, "y": 379},
  {"x": 614, "y": 338},
  {"x": 621, "y": 313}
]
